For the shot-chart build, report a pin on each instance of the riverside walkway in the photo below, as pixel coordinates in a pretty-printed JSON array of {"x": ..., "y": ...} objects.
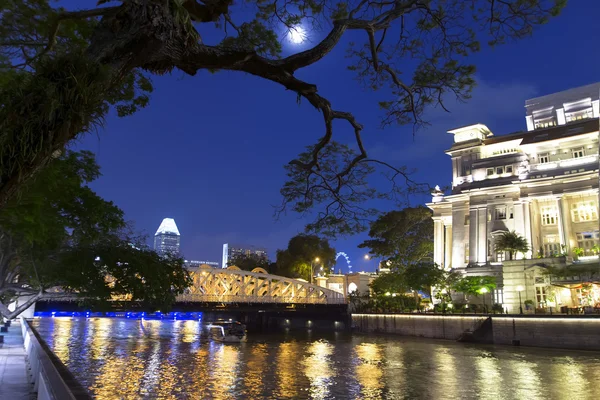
[{"x": 14, "y": 380}]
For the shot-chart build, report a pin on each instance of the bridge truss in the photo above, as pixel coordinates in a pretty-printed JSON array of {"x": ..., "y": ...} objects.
[{"x": 232, "y": 285}]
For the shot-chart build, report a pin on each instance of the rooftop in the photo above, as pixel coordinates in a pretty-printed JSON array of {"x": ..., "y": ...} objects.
[{"x": 168, "y": 226}]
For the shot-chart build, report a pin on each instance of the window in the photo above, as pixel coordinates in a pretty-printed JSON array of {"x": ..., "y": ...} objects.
[
  {"x": 500, "y": 256},
  {"x": 510, "y": 213},
  {"x": 545, "y": 123},
  {"x": 578, "y": 153},
  {"x": 500, "y": 213},
  {"x": 587, "y": 241},
  {"x": 490, "y": 171},
  {"x": 499, "y": 170},
  {"x": 466, "y": 169},
  {"x": 551, "y": 246},
  {"x": 549, "y": 216},
  {"x": 584, "y": 211},
  {"x": 498, "y": 296},
  {"x": 579, "y": 115},
  {"x": 508, "y": 169},
  {"x": 467, "y": 219},
  {"x": 466, "y": 252},
  {"x": 543, "y": 158},
  {"x": 541, "y": 295}
]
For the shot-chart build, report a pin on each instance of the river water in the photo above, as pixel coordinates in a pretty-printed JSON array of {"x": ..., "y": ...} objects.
[{"x": 129, "y": 359}]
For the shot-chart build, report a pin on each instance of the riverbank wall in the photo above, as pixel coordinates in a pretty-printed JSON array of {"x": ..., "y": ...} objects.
[{"x": 566, "y": 332}]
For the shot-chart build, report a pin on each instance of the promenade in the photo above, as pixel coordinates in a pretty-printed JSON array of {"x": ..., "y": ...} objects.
[{"x": 14, "y": 380}]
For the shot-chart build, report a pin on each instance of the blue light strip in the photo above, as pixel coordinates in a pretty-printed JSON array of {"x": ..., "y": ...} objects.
[{"x": 179, "y": 316}]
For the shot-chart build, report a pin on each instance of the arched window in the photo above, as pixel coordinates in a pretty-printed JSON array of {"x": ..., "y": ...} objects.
[{"x": 352, "y": 287}]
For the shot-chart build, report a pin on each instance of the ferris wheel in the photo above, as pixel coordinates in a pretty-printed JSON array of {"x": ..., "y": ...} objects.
[{"x": 342, "y": 254}]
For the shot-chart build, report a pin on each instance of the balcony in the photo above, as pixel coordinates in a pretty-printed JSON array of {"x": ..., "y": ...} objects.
[{"x": 569, "y": 163}]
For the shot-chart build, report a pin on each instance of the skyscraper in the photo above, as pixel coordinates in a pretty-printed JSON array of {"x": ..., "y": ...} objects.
[
  {"x": 167, "y": 237},
  {"x": 231, "y": 251}
]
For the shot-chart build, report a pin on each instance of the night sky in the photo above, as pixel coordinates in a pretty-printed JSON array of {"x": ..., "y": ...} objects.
[{"x": 209, "y": 151}]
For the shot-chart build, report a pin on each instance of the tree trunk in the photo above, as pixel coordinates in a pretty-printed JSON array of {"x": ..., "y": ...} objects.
[{"x": 7, "y": 314}]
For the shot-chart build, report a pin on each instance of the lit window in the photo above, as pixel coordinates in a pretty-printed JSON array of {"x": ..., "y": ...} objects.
[
  {"x": 587, "y": 241},
  {"x": 551, "y": 246},
  {"x": 500, "y": 256},
  {"x": 490, "y": 171},
  {"x": 578, "y": 153},
  {"x": 508, "y": 169},
  {"x": 549, "y": 216},
  {"x": 466, "y": 252},
  {"x": 500, "y": 213},
  {"x": 584, "y": 211},
  {"x": 499, "y": 170},
  {"x": 579, "y": 115},
  {"x": 540, "y": 294},
  {"x": 467, "y": 218},
  {"x": 544, "y": 158}
]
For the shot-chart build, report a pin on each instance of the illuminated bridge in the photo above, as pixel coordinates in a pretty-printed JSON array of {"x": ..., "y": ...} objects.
[
  {"x": 258, "y": 299},
  {"x": 232, "y": 285}
]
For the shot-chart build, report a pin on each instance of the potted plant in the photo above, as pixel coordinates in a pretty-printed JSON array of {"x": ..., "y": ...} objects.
[{"x": 578, "y": 252}]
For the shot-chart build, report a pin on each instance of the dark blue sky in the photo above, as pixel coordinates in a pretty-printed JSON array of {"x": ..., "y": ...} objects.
[{"x": 209, "y": 151}]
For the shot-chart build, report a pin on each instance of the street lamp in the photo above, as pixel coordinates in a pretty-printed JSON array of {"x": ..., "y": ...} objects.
[
  {"x": 312, "y": 269},
  {"x": 483, "y": 291},
  {"x": 519, "y": 290}
]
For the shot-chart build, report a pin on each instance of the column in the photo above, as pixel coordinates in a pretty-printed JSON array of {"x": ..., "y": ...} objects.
[
  {"x": 448, "y": 246},
  {"x": 438, "y": 241},
  {"x": 561, "y": 228},
  {"x": 482, "y": 235},
  {"x": 473, "y": 234},
  {"x": 528, "y": 235},
  {"x": 565, "y": 218}
]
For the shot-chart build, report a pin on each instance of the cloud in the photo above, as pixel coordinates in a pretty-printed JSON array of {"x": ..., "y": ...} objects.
[{"x": 499, "y": 106}]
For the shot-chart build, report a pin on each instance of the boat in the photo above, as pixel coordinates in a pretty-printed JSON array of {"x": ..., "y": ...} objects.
[{"x": 227, "y": 331}]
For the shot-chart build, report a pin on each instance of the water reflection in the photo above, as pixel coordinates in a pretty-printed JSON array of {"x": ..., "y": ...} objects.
[{"x": 132, "y": 359}]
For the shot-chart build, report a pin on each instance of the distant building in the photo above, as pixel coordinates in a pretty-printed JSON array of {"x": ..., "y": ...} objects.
[
  {"x": 167, "y": 237},
  {"x": 195, "y": 264},
  {"x": 232, "y": 251}
]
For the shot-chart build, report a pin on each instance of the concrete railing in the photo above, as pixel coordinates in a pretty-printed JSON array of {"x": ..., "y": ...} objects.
[{"x": 48, "y": 381}]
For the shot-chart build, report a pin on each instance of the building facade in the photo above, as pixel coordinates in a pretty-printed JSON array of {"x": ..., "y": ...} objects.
[
  {"x": 194, "y": 264},
  {"x": 167, "y": 238},
  {"x": 541, "y": 183},
  {"x": 232, "y": 251}
]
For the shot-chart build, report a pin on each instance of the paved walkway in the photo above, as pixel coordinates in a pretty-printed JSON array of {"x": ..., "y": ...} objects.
[{"x": 14, "y": 379}]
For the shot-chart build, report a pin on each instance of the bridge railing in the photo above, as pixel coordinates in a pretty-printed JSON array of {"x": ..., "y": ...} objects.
[{"x": 208, "y": 298}]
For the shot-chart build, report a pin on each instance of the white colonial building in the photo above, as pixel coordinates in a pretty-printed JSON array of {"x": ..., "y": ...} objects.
[{"x": 541, "y": 183}]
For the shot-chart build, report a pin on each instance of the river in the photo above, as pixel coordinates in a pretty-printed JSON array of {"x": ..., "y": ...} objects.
[{"x": 130, "y": 359}]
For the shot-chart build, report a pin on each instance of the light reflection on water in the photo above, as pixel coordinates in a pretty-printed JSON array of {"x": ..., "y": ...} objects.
[{"x": 126, "y": 359}]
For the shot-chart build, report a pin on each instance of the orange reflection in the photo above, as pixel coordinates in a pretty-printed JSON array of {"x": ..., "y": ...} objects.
[
  {"x": 255, "y": 371},
  {"x": 318, "y": 369},
  {"x": 368, "y": 372},
  {"x": 287, "y": 359}
]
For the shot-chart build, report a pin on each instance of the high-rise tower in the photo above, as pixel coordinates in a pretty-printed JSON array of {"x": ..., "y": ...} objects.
[{"x": 167, "y": 237}]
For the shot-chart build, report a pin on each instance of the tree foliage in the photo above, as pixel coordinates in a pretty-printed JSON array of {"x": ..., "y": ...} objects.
[
  {"x": 513, "y": 243},
  {"x": 301, "y": 255},
  {"x": 58, "y": 232},
  {"x": 61, "y": 70},
  {"x": 472, "y": 285},
  {"x": 248, "y": 262},
  {"x": 402, "y": 238}
]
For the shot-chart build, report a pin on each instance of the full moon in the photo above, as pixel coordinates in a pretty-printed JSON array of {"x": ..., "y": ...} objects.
[{"x": 297, "y": 35}]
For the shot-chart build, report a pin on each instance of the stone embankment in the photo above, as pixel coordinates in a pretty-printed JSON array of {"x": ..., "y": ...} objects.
[{"x": 567, "y": 332}]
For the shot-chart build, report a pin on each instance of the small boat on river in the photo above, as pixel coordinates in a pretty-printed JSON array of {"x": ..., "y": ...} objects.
[{"x": 227, "y": 331}]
